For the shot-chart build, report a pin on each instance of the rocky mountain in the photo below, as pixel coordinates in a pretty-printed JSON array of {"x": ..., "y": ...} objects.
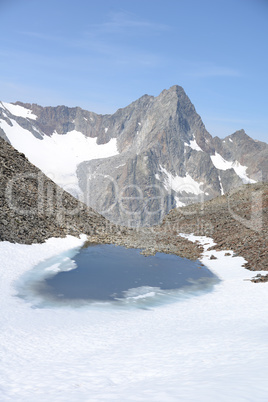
[{"x": 139, "y": 163}]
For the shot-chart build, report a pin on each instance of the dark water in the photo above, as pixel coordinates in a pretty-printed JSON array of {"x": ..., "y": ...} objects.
[{"x": 112, "y": 273}]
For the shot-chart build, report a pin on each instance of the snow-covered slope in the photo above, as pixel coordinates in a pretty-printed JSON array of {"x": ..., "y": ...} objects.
[
  {"x": 221, "y": 164},
  {"x": 137, "y": 164},
  {"x": 57, "y": 155},
  {"x": 17, "y": 110},
  {"x": 206, "y": 348}
]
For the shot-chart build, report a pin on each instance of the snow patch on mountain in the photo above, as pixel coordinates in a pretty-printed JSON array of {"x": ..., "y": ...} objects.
[
  {"x": 179, "y": 204},
  {"x": 59, "y": 155},
  {"x": 180, "y": 184},
  {"x": 222, "y": 191},
  {"x": 19, "y": 111},
  {"x": 193, "y": 144},
  {"x": 117, "y": 167},
  {"x": 220, "y": 163}
]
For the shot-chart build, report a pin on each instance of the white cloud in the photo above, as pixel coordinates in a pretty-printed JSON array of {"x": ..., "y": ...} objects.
[
  {"x": 126, "y": 22},
  {"x": 202, "y": 70}
]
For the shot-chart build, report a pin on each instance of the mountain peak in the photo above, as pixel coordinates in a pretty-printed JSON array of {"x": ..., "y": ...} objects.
[
  {"x": 175, "y": 89},
  {"x": 240, "y": 135},
  {"x": 240, "y": 132}
]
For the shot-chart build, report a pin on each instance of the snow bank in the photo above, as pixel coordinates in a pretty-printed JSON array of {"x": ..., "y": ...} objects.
[{"x": 206, "y": 348}]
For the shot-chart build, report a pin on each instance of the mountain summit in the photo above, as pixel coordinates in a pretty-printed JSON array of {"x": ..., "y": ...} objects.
[{"x": 137, "y": 164}]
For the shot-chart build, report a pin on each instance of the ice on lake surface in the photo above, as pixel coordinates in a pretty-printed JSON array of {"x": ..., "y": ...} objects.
[{"x": 116, "y": 275}]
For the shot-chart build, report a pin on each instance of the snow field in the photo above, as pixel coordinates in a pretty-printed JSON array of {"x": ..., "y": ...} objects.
[
  {"x": 180, "y": 184},
  {"x": 19, "y": 111},
  {"x": 205, "y": 348},
  {"x": 193, "y": 144},
  {"x": 220, "y": 163},
  {"x": 59, "y": 155}
]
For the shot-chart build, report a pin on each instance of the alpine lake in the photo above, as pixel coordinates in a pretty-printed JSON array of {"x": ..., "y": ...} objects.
[{"x": 107, "y": 275}]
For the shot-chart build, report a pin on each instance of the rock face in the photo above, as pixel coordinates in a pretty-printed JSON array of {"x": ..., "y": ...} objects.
[{"x": 136, "y": 165}]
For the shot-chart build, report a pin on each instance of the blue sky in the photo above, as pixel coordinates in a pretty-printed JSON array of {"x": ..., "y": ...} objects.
[{"x": 102, "y": 55}]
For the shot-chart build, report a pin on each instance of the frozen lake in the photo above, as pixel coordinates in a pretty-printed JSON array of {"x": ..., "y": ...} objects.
[{"x": 108, "y": 273}]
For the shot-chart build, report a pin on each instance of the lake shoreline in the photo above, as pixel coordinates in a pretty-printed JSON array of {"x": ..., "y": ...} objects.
[{"x": 114, "y": 274}]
